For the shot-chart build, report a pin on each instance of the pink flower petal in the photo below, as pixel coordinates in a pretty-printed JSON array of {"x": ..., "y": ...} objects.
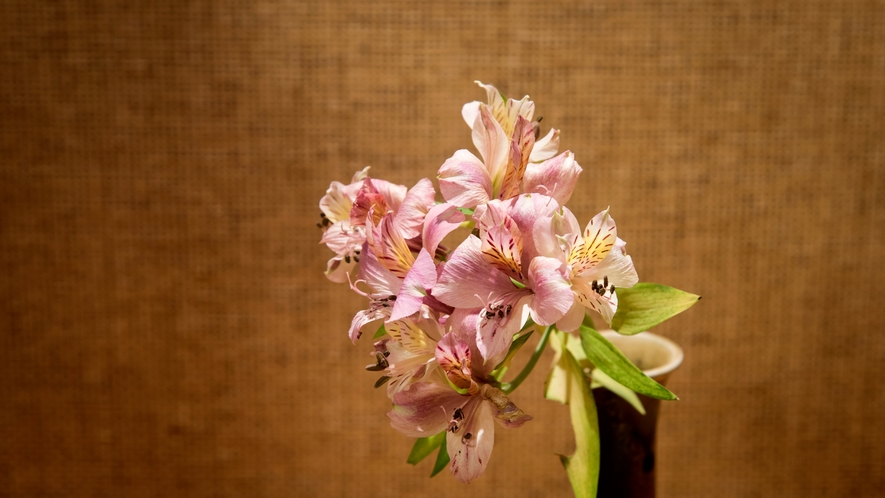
[
  {"x": 464, "y": 180},
  {"x": 441, "y": 220},
  {"x": 470, "y": 447},
  {"x": 421, "y": 277},
  {"x": 468, "y": 280},
  {"x": 520, "y": 146},
  {"x": 555, "y": 177},
  {"x": 598, "y": 239},
  {"x": 553, "y": 294},
  {"x": 493, "y": 144},
  {"x": 424, "y": 409},
  {"x": 573, "y": 318},
  {"x": 546, "y": 147},
  {"x": 418, "y": 201}
]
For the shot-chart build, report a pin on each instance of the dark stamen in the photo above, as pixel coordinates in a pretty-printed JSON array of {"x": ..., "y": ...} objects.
[{"x": 381, "y": 381}]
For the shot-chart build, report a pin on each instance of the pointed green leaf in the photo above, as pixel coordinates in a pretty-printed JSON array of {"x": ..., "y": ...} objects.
[
  {"x": 601, "y": 379},
  {"x": 442, "y": 458},
  {"x": 606, "y": 357},
  {"x": 380, "y": 332},
  {"x": 425, "y": 446},
  {"x": 583, "y": 466},
  {"x": 645, "y": 305}
]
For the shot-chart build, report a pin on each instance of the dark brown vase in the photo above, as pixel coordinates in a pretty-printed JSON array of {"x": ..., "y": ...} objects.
[{"x": 627, "y": 438}]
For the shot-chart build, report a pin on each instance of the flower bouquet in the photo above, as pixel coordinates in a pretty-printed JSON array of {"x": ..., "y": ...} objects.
[{"x": 446, "y": 324}]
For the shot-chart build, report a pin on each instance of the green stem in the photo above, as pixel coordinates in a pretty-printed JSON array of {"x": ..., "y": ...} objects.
[{"x": 509, "y": 387}]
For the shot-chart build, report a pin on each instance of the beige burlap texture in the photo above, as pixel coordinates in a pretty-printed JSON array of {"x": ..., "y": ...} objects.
[{"x": 166, "y": 329}]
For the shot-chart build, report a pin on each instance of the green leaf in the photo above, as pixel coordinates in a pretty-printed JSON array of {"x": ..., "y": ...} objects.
[
  {"x": 645, "y": 305},
  {"x": 442, "y": 458},
  {"x": 556, "y": 385},
  {"x": 425, "y": 446},
  {"x": 607, "y": 358},
  {"x": 601, "y": 379},
  {"x": 380, "y": 332},
  {"x": 583, "y": 466}
]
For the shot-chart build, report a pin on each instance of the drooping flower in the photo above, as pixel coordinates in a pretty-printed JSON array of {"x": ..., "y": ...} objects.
[
  {"x": 465, "y": 404},
  {"x": 597, "y": 263},
  {"x": 501, "y": 274}
]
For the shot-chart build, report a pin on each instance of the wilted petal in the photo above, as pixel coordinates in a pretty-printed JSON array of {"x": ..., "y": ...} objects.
[
  {"x": 546, "y": 147},
  {"x": 424, "y": 409},
  {"x": 555, "y": 177},
  {"x": 553, "y": 294},
  {"x": 441, "y": 220},
  {"x": 464, "y": 180},
  {"x": 468, "y": 280},
  {"x": 470, "y": 447},
  {"x": 421, "y": 277},
  {"x": 506, "y": 412},
  {"x": 418, "y": 201},
  {"x": 598, "y": 239}
]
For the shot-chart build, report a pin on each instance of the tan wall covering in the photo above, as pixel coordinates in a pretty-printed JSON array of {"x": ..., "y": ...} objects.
[{"x": 166, "y": 328}]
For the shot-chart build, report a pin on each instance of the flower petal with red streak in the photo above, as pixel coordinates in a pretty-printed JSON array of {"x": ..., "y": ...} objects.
[
  {"x": 468, "y": 280},
  {"x": 598, "y": 239},
  {"x": 470, "y": 447}
]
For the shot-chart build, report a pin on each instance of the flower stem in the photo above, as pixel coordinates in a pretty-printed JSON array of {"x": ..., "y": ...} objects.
[{"x": 509, "y": 387}]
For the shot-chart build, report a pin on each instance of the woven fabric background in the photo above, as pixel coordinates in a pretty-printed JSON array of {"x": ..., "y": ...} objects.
[{"x": 166, "y": 327}]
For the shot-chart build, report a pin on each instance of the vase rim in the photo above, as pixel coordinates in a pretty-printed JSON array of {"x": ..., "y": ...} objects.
[{"x": 675, "y": 354}]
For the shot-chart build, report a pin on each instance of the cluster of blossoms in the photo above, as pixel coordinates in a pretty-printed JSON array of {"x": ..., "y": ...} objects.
[{"x": 449, "y": 318}]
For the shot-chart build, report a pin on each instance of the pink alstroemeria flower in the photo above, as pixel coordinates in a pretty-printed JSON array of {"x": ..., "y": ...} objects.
[
  {"x": 512, "y": 162},
  {"x": 501, "y": 274},
  {"x": 345, "y": 207},
  {"x": 410, "y": 355},
  {"x": 468, "y": 416},
  {"x": 597, "y": 263}
]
